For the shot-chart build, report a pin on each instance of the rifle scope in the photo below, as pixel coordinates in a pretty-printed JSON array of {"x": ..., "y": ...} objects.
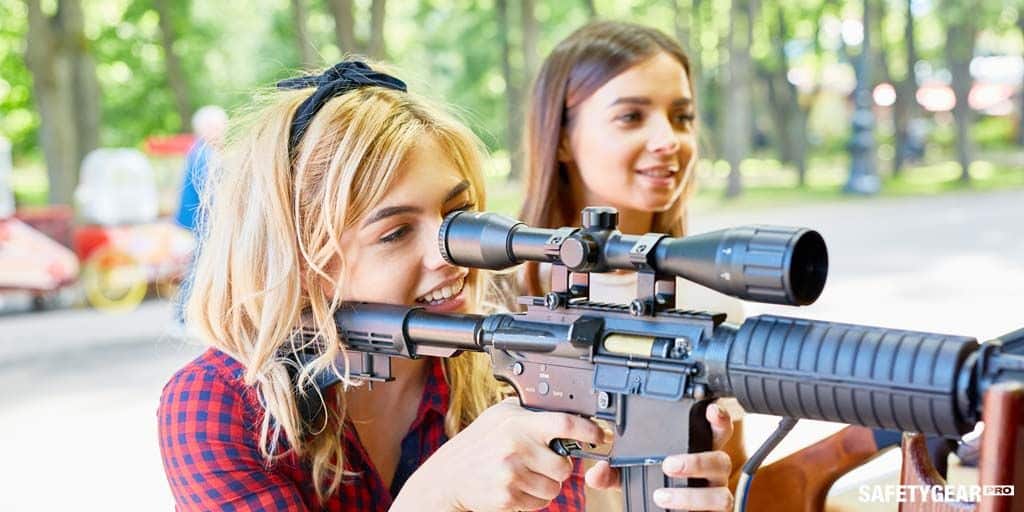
[{"x": 773, "y": 264}]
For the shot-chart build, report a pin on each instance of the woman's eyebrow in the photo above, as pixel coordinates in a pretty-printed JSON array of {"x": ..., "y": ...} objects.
[
  {"x": 391, "y": 211},
  {"x": 456, "y": 190},
  {"x": 643, "y": 100}
]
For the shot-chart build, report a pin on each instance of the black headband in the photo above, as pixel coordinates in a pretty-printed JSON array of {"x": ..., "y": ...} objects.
[{"x": 343, "y": 77}]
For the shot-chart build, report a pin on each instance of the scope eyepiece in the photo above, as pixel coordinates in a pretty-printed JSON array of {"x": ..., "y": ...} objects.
[{"x": 477, "y": 239}]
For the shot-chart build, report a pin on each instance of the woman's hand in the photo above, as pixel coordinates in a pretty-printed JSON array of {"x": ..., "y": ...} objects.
[
  {"x": 714, "y": 466},
  {"x": 500, "y": 462}
]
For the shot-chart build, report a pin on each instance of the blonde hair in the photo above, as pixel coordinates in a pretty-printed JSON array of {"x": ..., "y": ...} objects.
[{"x": 272, "y": 244}]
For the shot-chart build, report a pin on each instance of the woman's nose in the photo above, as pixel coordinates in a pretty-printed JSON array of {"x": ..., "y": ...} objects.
[
  {"x": 662, "y": 138},
  {"x": 431, "y": 251}
]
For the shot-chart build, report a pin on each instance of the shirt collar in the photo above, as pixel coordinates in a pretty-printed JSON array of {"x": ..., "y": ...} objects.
[{"x": 436, "y": 391}]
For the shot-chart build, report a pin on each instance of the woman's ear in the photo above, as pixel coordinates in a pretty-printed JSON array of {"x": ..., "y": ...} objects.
[{"x": 564, "y": 153}]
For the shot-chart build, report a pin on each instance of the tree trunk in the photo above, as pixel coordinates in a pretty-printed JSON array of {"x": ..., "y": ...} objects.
[
  {"x": 66, "y": 93},
  {"x": 959, "y": 50},
  {"x": 299, "y": 14},
  {"x": 790, "y": 118},
  {"x": 512, "y": 94},
  {"x": 683, "y": 29},
  {"x": 591, "y": 8},
  {"x": 86, "y": 88},
  {"x": 530, "y": 55},
  {"x": 881, "y": 56},
  {"x": 175, "y": 75},
  {"x": 517, "y": 84},
  {"x": 377, "y": 49},
  {"x": 906, "y": 95},
  {"x": 737, "y": 115},
  {"x": 344, "y": 26}
]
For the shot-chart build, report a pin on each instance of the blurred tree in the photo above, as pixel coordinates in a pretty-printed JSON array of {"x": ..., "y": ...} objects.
[
  {"x": 66, "y": 92},
  {"x": 513, "y": 94},
  {"x": 906, "y": 107},
  {"x": 737, "y": 111},
  {"x": 788, "y": 110},
  {"x": 530, "y": 56},
  {"x": 961, "y": 31},
  {"x": 344, "y": 25},
  {"x": 166, "y": 9},
  {"x": 863, "y": 178},
  {"x": 591, "y": 8},
  {"x": 19, "y": 122},
  {"x": 302, "y": 41},
  {"x": 377, "y": 49},
  {"x": 345, "y": 31}
]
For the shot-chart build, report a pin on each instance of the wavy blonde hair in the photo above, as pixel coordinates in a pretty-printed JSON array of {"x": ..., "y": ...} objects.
[{"x": 271, "y": 255}]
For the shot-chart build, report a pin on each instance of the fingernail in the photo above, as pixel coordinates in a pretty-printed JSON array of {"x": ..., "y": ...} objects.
[
  {"x": 673, "y": 464},
  {"x": 719, "y": 412},
  {"x": 662, "y": 497},
  {"x": 609, "y": 436}
]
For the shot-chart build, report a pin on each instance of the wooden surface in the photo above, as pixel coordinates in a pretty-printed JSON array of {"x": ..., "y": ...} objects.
[{"x": 805, "y": 477}]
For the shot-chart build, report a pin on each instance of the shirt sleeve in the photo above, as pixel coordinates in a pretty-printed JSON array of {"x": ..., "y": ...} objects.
[
  {"x": 572, "y": 498},
  {"x": 210, "y": 454}
]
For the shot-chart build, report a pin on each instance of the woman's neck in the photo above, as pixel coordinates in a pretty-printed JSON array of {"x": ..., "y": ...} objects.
[
  {"x": 410, "y": 376},
  {"x": 635, "y": 222},
  {"x": 631, "y": 221}
]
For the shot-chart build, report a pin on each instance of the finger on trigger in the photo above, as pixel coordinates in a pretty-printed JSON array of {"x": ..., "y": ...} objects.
[{"x": 557, "y": 425}]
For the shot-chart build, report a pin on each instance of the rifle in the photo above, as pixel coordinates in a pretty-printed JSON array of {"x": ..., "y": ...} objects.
[{"x": 651, "y": 370}]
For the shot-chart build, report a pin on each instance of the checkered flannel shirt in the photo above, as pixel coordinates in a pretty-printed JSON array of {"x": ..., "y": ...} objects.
[{"x": 209, "y": 434}]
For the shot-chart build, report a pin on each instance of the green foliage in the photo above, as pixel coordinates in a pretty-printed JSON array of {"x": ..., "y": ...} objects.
[
  {"x": 132, "y": 71},
  {"x": 991, "y": 132},
  {"x": 449, "y": 50},
  {"x": 18, "y": 119}
]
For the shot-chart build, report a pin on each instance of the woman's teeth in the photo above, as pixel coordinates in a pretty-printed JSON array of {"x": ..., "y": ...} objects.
[
  {"x": 657, "y": 173},
  {"x": 443, "y": 293}
]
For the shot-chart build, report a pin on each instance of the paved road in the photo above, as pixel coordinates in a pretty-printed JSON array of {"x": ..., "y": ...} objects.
[{"x": 80, "y": 388}]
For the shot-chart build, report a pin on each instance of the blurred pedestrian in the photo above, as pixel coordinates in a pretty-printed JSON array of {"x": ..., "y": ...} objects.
[{"x": 209, "y": 124}]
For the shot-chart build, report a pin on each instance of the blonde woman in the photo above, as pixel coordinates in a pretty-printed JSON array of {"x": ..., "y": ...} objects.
[{"x": 335, "y": 192}]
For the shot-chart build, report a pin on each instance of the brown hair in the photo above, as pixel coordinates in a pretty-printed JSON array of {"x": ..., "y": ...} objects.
[{"x": 575, "y": 69}]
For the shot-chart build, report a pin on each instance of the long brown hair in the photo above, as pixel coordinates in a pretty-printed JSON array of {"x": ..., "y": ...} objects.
[{"x": 575, "y": 69}]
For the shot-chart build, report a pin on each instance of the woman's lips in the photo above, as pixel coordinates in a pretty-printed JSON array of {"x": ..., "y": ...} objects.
[{"x": 658, "y": 179}]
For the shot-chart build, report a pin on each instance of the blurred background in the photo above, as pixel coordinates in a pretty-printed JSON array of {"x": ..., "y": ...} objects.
[{"x": 892, "y": 126}]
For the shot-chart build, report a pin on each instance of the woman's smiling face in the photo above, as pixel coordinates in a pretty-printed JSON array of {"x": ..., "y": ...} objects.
[
  {"x": 392, "y": 255},
  {"x": 631, "y": 143}
]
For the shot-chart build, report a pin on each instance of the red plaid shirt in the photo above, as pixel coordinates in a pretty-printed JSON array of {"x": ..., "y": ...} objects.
[{"x": 209, "y": 434}]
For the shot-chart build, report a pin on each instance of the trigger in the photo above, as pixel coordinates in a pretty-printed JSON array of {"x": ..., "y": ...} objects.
[
  {"x": 564, "y": 447},
  {"x": 573, "y": 448}
]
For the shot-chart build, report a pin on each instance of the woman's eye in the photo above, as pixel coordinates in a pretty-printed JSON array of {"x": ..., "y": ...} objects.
[
  {"x": 629, "y": 117},
  {"x": 395, "y": 234},
  {"x": 685, "y": 118},
  {"x": 466, "y": 206}
]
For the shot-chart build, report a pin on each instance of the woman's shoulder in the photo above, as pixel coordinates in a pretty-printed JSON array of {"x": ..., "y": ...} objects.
[{"x": 212, "y": 377}]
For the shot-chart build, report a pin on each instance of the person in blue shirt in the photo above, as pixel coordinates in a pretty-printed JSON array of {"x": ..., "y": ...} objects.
[{"x": 209, "y": 124}]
